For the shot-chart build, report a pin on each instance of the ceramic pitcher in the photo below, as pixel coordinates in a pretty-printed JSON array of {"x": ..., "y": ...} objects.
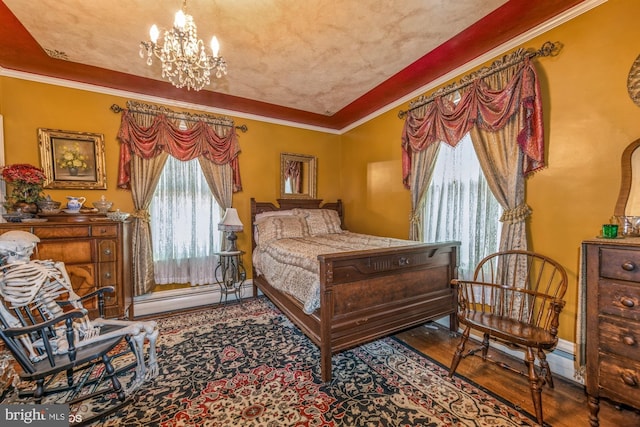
[{"x": 75, "y": 203}]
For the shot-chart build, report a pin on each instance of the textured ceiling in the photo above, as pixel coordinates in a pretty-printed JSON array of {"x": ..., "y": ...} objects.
[{"x": 323, "y": 62}]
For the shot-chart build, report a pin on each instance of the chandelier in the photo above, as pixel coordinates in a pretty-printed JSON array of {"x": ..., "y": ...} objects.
[{"x": 182, "y": 54}]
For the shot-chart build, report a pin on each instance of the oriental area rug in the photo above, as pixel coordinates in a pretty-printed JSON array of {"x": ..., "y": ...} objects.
[{"x": 248, "y": 365}]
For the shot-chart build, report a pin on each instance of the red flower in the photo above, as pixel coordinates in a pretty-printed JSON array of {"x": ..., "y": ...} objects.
[
  {"x": 26, "y": 180},
  {"x": 26, "y": 173}
]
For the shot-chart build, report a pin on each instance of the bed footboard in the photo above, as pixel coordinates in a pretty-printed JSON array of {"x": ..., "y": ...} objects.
[{"x": 366, "y": 295}]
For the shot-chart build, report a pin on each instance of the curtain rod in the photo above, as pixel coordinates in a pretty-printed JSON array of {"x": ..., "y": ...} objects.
[
  {"x": 547, "y": 49},
  {"x": 153, "y": 110}
]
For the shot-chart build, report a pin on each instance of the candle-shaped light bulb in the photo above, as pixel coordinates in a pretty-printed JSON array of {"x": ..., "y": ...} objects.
[
  {"x": 154, "y": 33},
  {"x": 215, "y": 46},
  {"x": 180, "y": 20}
]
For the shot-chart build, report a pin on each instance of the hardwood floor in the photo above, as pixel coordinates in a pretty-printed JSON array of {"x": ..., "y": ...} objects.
[{"x": 564, "y": 406}]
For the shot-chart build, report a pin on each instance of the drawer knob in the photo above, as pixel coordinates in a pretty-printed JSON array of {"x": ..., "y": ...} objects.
[
  {"x": 628, "y": 266},
  {"x": 628, "y": 340},
  {"x": 107, "y": 275},
  {"x": 627, "y": 302},
  {"x": 107, "y": 252},
  {"x": 629, "y": 379}
]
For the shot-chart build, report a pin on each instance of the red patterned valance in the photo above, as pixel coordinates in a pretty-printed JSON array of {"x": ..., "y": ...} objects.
[
  {"x": 442, "y": 120},
  {"x": 162, "y": 135}
]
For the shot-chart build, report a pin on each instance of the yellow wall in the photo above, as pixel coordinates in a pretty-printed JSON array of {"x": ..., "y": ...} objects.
[
  {"x": 589, "y": 120},
  {"x": 375, "y": 200},
  {"x": 27, "y": 106}
]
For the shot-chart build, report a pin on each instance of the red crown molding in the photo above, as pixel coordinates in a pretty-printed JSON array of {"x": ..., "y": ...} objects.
[
  {"x": 511, "y": 20},
  {"x": 19, "y": 51}
]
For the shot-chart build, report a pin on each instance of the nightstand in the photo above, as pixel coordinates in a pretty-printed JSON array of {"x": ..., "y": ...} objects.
[{"x": 230, "y": 275}]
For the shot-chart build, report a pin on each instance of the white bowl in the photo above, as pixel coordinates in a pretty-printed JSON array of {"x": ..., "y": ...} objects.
[
  {"x": 103, "y": 206},
  {"x": 118, "y": 216}
]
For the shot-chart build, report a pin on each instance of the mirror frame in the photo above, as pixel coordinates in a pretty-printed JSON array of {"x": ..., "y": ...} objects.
[
  {"x": 627, "y": 178},
  {"x": 310, "y": 161}
]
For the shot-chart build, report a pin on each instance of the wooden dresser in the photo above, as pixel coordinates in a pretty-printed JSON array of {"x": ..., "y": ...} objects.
[
  {"x": 612, "y": 280},
  {"x": 96, "y": 252}
]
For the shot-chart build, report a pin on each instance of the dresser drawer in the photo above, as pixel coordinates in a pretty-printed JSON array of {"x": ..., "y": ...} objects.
[
  {"x": 619, "y": 299},
  {"x": 107, "y": 273},
  {"x": 69, "y": 252},
  {"x": 620, "y": 379},
  {"x": 620, "y": 264},
  {"x": 107, "y": 251},
  {"x": 62, "y": 232},
  {"x": 620, "y": 337},
  {"x": 108, "y": 276},
  {"x": 104, "y": 230}
]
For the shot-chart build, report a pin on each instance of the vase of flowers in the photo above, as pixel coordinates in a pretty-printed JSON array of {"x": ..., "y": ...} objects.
[
  {"x": 72, "y": 159},
  {"x": 26, "y": 182}
]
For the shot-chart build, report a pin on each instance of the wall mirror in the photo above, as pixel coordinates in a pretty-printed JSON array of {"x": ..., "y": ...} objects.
[
  {"x": 297, "y": 176},
  {"x": 629, "y": 198}
]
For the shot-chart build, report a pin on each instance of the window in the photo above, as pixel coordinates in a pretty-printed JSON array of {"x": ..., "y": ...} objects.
[
  {"x": 184, "y": 225},
  {"x": 460, "y": 206}
]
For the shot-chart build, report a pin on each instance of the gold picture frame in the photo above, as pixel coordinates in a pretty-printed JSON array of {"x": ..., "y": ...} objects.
[
  {"x": 307, "y": 176},
  {"x": 72, "y": 160}
]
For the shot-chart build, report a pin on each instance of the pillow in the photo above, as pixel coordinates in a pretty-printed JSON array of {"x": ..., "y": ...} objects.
[
  {"x": 321, "y": 221},
  {"x": 268, "y": 214},
  {"x": 281, "y": 227}
]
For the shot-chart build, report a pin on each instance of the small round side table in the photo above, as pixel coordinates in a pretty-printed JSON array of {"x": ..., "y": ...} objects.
[{"x": 230, "y": 275}]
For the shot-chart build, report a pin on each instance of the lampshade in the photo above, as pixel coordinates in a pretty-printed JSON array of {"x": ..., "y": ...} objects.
[{"x": 230, "y": 221}]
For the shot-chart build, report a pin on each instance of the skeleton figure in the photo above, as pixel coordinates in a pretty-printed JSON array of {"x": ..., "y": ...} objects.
[{"x": 24, "y": 281}]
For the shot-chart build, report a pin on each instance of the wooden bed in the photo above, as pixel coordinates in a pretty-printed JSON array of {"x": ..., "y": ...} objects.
[{"x": 365, "y": 295}]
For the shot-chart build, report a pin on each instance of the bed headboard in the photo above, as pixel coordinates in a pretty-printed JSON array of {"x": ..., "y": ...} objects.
[{"x": 286, "y": 204}]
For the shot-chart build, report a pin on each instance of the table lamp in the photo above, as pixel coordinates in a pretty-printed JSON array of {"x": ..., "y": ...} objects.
[{"x": 230, "y": 224}]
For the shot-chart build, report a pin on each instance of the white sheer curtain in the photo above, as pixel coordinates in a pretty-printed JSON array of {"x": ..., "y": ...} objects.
[
  {"x": 460, "y": 206},
  {"x": 184, "y": 225}
]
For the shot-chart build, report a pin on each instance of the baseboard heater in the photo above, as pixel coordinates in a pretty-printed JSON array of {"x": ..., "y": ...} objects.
[{"x": 182, "y": 299}]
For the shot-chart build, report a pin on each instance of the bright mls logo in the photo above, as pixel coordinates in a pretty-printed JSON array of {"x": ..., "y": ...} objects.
[{"x": 35, "y": 415}]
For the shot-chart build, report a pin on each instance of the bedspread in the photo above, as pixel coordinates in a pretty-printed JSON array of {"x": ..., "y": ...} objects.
[{"x": 291, "y": 265}]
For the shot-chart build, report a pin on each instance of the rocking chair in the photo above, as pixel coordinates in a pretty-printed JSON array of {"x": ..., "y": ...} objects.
[
  {"x": 515, "y": 297},
  {"x": 75, "y": 373}
]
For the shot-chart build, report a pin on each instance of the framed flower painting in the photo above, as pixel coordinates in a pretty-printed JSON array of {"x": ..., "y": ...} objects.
[{"x": 72, "y": 160}]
